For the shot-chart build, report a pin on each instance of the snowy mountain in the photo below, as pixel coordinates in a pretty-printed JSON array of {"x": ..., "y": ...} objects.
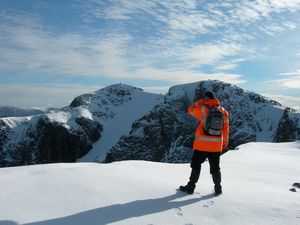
[
  {"x": 9, "y": 111},
  {"x": 122, "y": 122},
  {"x": 256, "y": 182},
  {"x": 66, "y": 134},
  {"x": 166, "y": 133}
]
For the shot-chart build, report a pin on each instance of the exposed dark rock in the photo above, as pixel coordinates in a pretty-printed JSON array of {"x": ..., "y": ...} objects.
[
  {"x": 296, "y": 185},
  {"x": 4, "y": 129},
  {"x": 50, "y": 142},
  {"x": 166, "y": 134},
  {"x": 81, "y": 100},
  {"x": 288, "y": 128},
  {"x": 91, "y": 127},
  {"x": 62, "y": 135},
  {"x": 56, "y": 143},
  {"x": 152, "y": 136}
]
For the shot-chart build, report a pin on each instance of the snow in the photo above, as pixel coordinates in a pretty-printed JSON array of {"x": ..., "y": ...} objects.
[
  {"x": 183, "y": 90},
  {"x": 268, "y": 121},
  {"x": 120, "y": 123},
  {"x": 10, "y": 111},
  {"x": 115, "y": 107},
  {"x": 256, "y": 182}
]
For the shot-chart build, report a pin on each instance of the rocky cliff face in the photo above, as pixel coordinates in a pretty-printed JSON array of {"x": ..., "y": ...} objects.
[
  {"x": 289, "y": 126},
  {"x": 42, "y": 139},
  {"x": 158, "y": 129},
  {"x": 63, "y": 135},
  {"x": 166, "y": 133}
]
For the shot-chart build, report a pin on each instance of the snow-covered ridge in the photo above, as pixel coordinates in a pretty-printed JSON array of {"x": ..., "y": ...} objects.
[
  {"x": 256, "y": 182},
  {"x": 122, "y": 122},
  {"x": 9, "y": 111},
  {"x": 68, "y": 133},
  {"x": 166, "y": 133}
]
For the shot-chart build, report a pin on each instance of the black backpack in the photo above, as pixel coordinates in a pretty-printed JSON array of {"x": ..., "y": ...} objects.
[{"x": 214, "y": 122}]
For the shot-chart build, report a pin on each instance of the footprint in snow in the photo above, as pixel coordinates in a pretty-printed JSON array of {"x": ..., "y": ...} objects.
[
  {"x": 197, "y": 194},
  {"x": 178, "y": 212},
  {"x": 208, "y": 204}
]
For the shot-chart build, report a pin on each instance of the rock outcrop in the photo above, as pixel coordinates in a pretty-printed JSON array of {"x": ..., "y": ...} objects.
[
  {"x": 161, "y": 130},
  {"x": 166, "y": 133}
]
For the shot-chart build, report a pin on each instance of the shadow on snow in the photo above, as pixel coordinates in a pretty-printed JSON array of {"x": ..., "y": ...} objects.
[{"x": 119, "y": 212}]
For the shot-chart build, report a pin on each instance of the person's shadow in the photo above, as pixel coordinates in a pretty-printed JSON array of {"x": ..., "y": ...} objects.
[{"x": 119, "y": 212}]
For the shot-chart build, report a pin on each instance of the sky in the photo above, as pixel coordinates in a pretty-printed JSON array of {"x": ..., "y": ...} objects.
[{"x": 52, "y": 51}]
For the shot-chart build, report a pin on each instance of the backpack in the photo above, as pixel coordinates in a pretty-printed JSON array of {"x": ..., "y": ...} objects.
[{"x": 214, "y": 122}]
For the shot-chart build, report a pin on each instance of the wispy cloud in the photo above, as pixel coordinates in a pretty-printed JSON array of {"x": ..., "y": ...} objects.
[
  {"x": 34, "y": 48},
  {"x": 227, "y": 66},
  {"x": 184, "y": 22},
  {"x": 288, "y": 80},
  {"x": 186, "y": 76},
  {"x": 286, "y": 100},
  {"x": 169, "y": 48},
  {"x": 273, "y": 29}
]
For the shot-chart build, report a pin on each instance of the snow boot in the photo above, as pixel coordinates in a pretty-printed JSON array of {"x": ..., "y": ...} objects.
[
  {"x": 218, "y": 190},
  {"x": 189, "y": 188}
]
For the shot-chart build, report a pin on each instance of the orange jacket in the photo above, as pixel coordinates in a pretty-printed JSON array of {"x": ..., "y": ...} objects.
[{"x": 204, "y": 142}]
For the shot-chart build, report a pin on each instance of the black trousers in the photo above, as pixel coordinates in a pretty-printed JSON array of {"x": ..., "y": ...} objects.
[{"x": 214, "y": 161}]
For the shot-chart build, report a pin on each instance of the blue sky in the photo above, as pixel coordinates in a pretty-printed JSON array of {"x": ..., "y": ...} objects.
[{"x": 53, "y": 50}]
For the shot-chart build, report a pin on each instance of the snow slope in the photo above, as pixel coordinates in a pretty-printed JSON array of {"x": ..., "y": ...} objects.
[
  {"x": 166, "y": 133},
  {"x": 256, "y": 182},
  {"x": 120, "y": 124},
  {"x": 69, "y": 133}
]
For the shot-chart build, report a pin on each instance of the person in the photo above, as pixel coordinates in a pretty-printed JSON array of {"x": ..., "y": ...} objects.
[{"x": 207, "y": 146}]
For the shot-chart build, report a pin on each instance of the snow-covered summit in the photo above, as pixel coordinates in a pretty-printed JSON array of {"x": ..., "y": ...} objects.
[
  {"x": 68, "y": 133},
  {"x": 166, "y": 133},
  {"x": 256, "y": 182},
  {"x": 115, "y": 92},
  {"x": 124, "y": 122}
]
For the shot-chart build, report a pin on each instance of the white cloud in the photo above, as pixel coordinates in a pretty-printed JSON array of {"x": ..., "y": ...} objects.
[
  {"x": 227, "y": 66},
  {"x": 289, "y": 80},
  {"x": 286, "y": 100},
  {"x": 208, "y": 54},
  {"x": 294, "y": 74},
  {"x": 186, "y": 76},
  {"x": 284, "y": 84},
  {"x": 37, "y": 49},
  {"x": 111, "y": 55},
  {"x": 196, "y": 23},
  {"x": 285, "y": 5},
  {"x": 273, "y": 29},
  {"x": 116, "y": 53}
]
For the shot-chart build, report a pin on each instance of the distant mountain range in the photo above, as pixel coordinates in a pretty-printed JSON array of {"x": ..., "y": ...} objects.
[
  {"x": 122, "y": 122},
  {"x": 10, "y": 111}
]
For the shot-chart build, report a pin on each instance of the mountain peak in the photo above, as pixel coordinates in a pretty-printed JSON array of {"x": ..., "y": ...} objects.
[
  {"x": 121, "y": 86},
  {"x": 117, "y": 90}
]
